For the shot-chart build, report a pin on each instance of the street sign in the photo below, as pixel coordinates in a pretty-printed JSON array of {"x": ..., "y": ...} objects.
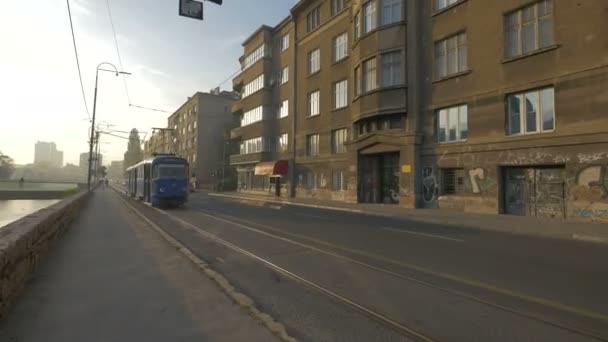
[{"x": 191, "y": 9}]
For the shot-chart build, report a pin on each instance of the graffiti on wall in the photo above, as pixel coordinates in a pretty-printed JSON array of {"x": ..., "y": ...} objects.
[
  {"x": 430, "y": 187},
  {"x": 481, "y": 182},
  {"x": 589, "y": 192}
]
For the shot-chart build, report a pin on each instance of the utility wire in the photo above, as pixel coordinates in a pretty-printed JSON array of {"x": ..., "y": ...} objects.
[
  {"x": 84, "y": 98},
  {"x": 124, "y": 79},
  {"x": 152, "y": 109}
]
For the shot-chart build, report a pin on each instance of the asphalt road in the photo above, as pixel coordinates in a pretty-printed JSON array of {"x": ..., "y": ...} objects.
[{"x": 336, "y": 276}]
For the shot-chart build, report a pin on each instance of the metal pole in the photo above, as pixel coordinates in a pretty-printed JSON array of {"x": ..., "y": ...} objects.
[
  {"x": 96, "y": 170},
  {"x": 92, "y": 131}
]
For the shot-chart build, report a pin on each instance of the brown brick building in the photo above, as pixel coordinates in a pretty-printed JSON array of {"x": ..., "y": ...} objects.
[{"x": 494, "y": 106}]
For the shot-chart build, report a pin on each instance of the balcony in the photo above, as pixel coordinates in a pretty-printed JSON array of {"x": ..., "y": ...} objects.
[
  {"x": 251, "y": 158},
  {"x": 237, "y": 107}
]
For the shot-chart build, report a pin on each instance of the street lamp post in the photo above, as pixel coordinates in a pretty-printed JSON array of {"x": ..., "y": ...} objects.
[{"x": 94, "y": 109}]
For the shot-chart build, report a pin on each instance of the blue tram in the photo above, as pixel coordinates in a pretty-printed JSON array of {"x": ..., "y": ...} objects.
[{"x": 161, "y": 180}]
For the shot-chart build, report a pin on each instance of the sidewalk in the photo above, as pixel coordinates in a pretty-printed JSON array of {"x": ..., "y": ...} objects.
[
  {"x": 560, "y": 229},
  {"x": 112, "y": 278}
]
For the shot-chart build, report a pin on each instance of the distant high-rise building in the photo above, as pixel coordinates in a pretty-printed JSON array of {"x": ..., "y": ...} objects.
[
  {"x": 84, "y": 162},
  {"x": 46, "y": 153},
  {"x": 116, "y": 170},
  {"x": 134, "y": 152}
]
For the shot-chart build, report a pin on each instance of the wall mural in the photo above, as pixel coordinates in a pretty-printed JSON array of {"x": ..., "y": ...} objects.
[
  {"x": 589, "y": 194},
  {"x": 430, "y": 188}
]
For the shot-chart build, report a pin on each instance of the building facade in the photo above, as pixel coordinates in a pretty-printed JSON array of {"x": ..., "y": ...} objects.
[
  {"x": 481, "y": 106},
  {"x": 199, "y": 131},
  {"x": 134, "y": 153},
  {"x": 46, "y": 153}
]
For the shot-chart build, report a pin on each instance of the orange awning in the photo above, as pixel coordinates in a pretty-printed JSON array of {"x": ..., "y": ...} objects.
[{"x": 272, "y": 168}]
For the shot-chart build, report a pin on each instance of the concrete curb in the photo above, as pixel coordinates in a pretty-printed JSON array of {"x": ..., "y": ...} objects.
[
  {"x": 239, "y": 298},
  {"x": 569, "y": 236}
]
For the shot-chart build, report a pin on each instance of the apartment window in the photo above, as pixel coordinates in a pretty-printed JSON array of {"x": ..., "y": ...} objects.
[
  {"x": 284, "y": 42},
  {"x": 253, "y": 57},
  {"x": 311, "y": 180},
  {"x": 357, "y": 80},
  {"x": 337, "y": 6},
  {"x": 357, "y": 26},
  {"x": 282, "y": 142},
  {"x": 194, "y": 158},
  {"x": 441, "y": 4},
  {"x": 369, "y": 16},
  {"x": 340, "y": 94},
  {"x": 453, "y": 124},
  {"x": 253, "y": 86},
  {"x": 529, "y": 29},
  {"x": 313, "y": 103},
  {"x": 284, "y": 75},
  {"x": 531, "y": 112},
  {"x": 391, "y": 69},
  {"x": 451, "y": 55},
  {"x": 391, "y": 11},
  {"x": 369, "y": 75},
  {"x": 338, "y": 182},
  {"x": 194, "y": 124},
  {"x": 452, "y": 181},
  {"x": 252, "y": 116},
  {"x": 254, "y": 145},
  {"x": 338, "y": 137},
  {"x": 313, "y": 19},
  {"x": 284, "y": 109},
  {"x": 194, "y": 110},
  {"x": 340, "y": 47},
  {"x": 314, "y": 61},
  {"x": 312, "y": 145}
]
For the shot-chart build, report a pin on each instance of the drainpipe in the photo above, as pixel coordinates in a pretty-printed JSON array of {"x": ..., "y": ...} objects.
[{"x": 293, "y": 173}]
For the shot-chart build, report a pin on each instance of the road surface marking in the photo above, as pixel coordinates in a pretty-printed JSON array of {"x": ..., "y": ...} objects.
[
  {"x": 422, "y": 234},
  {"x": 474, "y": 283},
  {"x": 275, "y": 207}
]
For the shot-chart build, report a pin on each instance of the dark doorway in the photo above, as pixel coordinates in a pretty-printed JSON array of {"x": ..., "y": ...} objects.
[
  {"x": 535, "y": 191},
  {"x": 378, "y": 178}
]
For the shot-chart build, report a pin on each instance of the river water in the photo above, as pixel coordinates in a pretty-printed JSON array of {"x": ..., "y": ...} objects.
[{"x": 12, "y": 210}]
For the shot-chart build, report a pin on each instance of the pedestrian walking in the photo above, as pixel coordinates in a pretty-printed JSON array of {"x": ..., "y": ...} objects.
[{"x": 21, "y": 183}]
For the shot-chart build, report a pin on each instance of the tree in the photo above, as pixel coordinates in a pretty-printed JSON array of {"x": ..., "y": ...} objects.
[{"x": 7, "y": 166}]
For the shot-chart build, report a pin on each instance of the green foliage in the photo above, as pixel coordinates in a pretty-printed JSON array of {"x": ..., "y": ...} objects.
[{"x": 7, "y": 166}]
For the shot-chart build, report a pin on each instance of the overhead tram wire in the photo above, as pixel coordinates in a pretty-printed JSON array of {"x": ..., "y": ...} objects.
[{"x": 84, "y": 98}]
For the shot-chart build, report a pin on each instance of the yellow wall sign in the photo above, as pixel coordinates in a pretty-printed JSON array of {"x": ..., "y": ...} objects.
[{"x": 406, "y": 168}]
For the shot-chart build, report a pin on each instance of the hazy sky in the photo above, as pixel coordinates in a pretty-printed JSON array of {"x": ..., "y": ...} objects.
[{"x": 171, "y": 58}]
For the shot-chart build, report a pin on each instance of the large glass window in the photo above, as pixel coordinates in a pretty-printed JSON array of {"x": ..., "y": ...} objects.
[
  {"x": 340, "y": 47},
  {"x": 313, "y": 103},
  {"x": 531, "y": 112},
  {"x": 314, "y": 61},
  {"x": 340, "y": 94},
  {"x": 391, "y": 69},
  {"x": 169, "y": 171},
  {"x": 313, "y": 19},
  {"x": 254, "y": 145},
  {"x": 252, "y": 116},
  {"x": 338, "y": 137},
  {"x": 282, "y": 142},
  {"x": 451, "y": 55},
  {"x": 529, "y": 29},
  {"x": 369, "y": 16},
  {"x": 284, "y": 109},
  {"x": 452, "y": 124},
  {"x": 391, "y": 11},
  {"x": 369, "y": 75},
  {"x": 253, "y": 86},
  {"x": 338, "y": 181},
  {"x": 312, "y": 145},
  {"x": 337, "y": 6},
  {"x": 441, "y": 4},
  {"x": 284, "y": 42},
  {"x": 255, "y": 56},
  {"x": 284, "y": 75}
]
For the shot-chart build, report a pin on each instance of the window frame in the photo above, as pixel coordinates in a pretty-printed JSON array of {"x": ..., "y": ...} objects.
[
  {"x": 338, "y": 6},
  {"x": 519, "y": 26},
  {"x": 310, "y": 101},
  {"x": 342, "y": 186},
  {"x": 365, "y": 72},
  {"x": 391, "y": 4},
  {"x": 284, "y": 73},
  {"x": 394, "y": 80},
  {"x": 311, "y": 61},
  {"x": 459, "y": 46},
  {"x": 523, "y": 114},
  {"x": 447, "y": 110},
  {"x": 284, "y": 42},
  {"x": 437, "y": 9},
  {"x": 313, "y": 19},
  {"x": 456, "y": 189},
  {"x": 336, "y": 48},
  {"x": 337, "y": 145},
  {"x": 336, "y": 103},
  {"x": 366, "y": 26},
  {"x": 283, "y": 111},
  {"x": 313, "y": 140}
]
